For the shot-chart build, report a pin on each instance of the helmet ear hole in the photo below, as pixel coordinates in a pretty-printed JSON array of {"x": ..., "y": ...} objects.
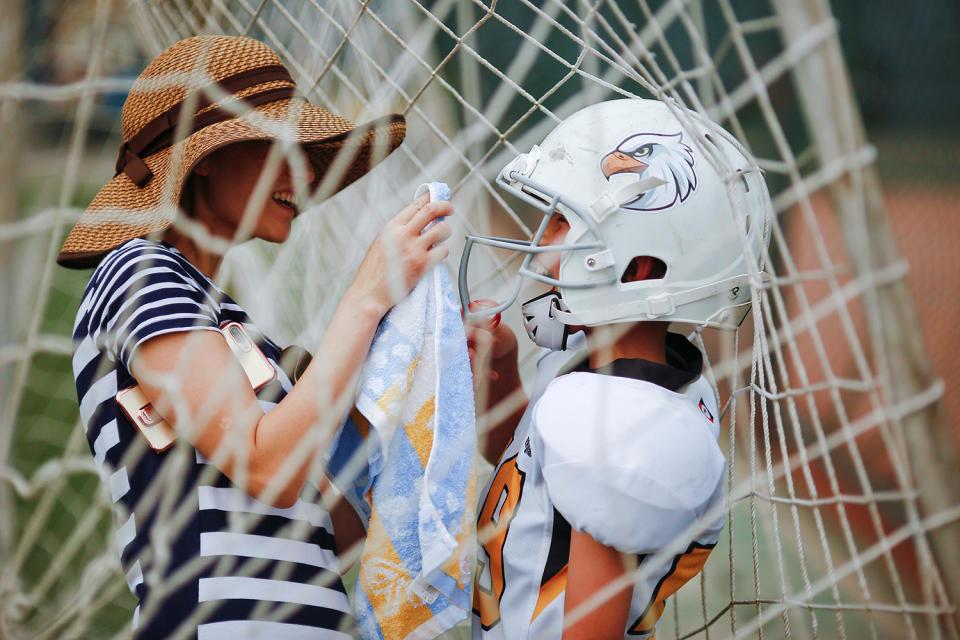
[{"x": 644, "y": 268}]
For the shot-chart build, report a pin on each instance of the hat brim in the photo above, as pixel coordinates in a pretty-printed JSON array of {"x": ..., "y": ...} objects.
[{"x": 340, "y": 152}]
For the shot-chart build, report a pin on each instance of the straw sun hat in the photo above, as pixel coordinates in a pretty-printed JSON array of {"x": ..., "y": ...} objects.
[{"x": 237, "y": 90}]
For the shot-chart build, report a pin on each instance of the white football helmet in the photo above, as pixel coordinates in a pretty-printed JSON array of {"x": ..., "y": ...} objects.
[{"x": 632, "y": 180}]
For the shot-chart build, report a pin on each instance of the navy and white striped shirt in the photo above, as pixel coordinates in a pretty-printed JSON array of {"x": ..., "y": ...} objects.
[{"x": 204, "y": 559}]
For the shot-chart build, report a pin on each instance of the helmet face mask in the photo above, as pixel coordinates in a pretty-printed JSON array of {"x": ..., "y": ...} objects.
[
  {"x": 552, "y": 204},
  {"x": 633, "y": 181}
]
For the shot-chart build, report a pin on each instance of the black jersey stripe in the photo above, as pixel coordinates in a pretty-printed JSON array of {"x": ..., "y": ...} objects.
[{"x": 559, "y": 554}]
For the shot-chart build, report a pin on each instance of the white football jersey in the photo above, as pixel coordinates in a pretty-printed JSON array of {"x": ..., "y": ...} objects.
[{"x": 629, "y": 456}]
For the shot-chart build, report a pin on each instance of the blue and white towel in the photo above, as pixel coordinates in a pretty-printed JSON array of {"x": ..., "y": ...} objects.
[{"x": 405, "y": 458}]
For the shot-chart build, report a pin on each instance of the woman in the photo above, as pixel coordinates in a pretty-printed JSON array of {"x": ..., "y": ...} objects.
[{"x": 214, "y": 538}]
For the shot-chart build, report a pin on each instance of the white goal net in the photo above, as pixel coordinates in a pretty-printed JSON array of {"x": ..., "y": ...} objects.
[{"x": 842, "y": 490}]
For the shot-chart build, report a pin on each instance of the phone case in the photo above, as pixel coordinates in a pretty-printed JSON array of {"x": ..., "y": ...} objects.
[
  {"x": 158, "y": 433},
  {"x": 258, "y": 369}
]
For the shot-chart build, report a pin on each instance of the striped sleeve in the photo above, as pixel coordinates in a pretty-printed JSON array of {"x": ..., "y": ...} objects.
[{"x": 145, "y": 291}]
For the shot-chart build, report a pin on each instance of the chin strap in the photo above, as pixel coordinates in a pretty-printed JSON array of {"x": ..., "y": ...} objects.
[
  {"x": 541, "y": 322},
  {"x": 664, "y": 304}
]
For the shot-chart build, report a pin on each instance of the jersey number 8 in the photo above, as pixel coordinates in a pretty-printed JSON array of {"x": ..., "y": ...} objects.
[{"x": 492, "y": 525}]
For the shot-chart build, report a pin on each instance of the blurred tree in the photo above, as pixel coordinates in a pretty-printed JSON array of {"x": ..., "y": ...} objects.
[{"x": 903, "y": 61}]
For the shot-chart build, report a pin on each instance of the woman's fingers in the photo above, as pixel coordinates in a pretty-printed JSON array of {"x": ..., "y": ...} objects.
[
  {"x": 421, "y": 211},
  {"x": 438, "y": 232},
  {"x": 404, "y": 251},
  {"x": 435, "y": 255},
  {"x": 428, "y": 213},
  {"x": 414, "y": 241},
  {"x": 490, "y": 322},
  {"x": 406, "y": 214}
]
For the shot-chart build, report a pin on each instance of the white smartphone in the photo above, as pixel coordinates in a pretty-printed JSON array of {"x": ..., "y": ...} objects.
[
  {"x": 258, "y": 369},
  {"x": 158, "y": 433}
]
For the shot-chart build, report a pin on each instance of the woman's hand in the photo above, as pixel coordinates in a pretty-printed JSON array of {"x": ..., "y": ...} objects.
[
  {"x": 490, "y": 344},
  {"x": 498, "y": 392},
  {"x": 403, "y": 252}
]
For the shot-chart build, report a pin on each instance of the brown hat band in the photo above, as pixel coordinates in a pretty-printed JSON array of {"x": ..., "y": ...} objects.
[{"x": 158, "y": 134}]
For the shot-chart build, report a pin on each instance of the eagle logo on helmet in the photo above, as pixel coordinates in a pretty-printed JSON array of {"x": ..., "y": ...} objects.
[{"x": 663, "y": 156}]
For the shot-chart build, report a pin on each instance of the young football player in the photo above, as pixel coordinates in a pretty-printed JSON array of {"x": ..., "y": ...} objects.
[{"x": 607, "y": 491}]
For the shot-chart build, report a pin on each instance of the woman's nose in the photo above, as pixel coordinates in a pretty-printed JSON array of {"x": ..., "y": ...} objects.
[{"x": 311, "y": 172}]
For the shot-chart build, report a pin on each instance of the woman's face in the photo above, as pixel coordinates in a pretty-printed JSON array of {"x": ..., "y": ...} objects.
[{"x": 224, "y": 183}]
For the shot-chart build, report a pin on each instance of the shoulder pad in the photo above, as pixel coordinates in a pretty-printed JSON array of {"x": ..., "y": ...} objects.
[{"x": 627, "y": 461}]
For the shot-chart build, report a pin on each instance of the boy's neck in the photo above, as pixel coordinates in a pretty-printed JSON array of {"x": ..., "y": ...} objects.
[{"x": 646, "y": 340}]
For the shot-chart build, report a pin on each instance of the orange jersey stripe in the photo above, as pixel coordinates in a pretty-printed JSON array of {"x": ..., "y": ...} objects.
[
  {"x": 549, "y": 592},
  {"x": 685, "y": 566}
]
